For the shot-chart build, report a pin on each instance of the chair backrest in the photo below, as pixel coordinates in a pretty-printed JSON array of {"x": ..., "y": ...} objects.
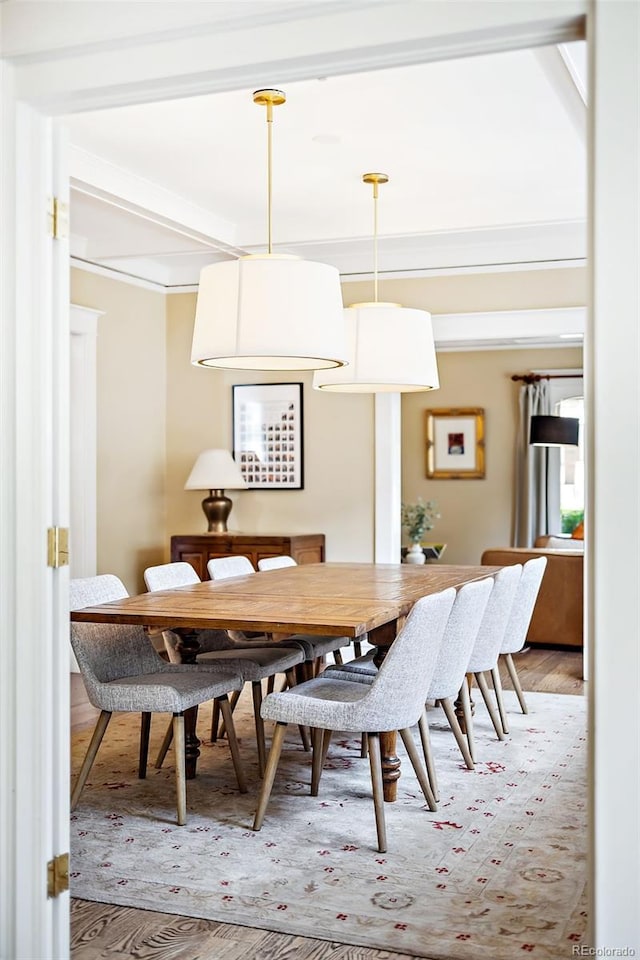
[
  {"x": 488, "y": 643},
  {"x": 180, "y": 574},
  {"x": 222, "y": 567},
  {"x": 107, "y": 651},
  {"x": 523, "y": 605},
  {"x": 398, "y": 693},
  {"x": 167, "y": 575},
  {"x": 459, "y": 638},
  {"x": 274, "y": 563}
]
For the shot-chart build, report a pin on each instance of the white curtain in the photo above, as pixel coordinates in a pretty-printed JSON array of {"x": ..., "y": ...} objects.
[{"x": 537, "y": 500}]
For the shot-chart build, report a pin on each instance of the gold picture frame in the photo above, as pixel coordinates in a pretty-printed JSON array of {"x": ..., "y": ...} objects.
[{"x": 455, "y": 443}]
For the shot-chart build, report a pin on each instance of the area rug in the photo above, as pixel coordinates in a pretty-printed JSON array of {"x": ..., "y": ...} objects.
[{"x": 498, "y": 872}]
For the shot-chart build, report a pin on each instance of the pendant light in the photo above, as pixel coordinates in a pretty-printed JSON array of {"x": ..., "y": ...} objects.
[
  {"x": 269, "y": 311},
  {"x": 547, "y": 431},
  {"x": 390, "y": 346}
]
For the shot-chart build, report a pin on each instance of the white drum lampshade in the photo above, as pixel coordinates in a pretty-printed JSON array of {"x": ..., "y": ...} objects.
[
  {"x": 269, "y": 312},
  {"x": 391, "y": 349}
]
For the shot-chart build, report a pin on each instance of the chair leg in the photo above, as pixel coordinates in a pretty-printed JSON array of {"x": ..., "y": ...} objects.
[
  {"x": 232, "y": 740},
  {"x": 423, "y": 780},
  {"x": 515, "y": 680},
  {"x": 447, "y": 706},
  {"x": 316, "y": 762},
  {"x": 423, "y": 726},
  {"x": 145, "y": 727},
  {"x": 364, "y": 747},
  {"x": 92, "y": 749},
  {"x": 337, "y": 658},
  {"x": 166, "y": 743},
  {"x": 233, "y": 702},
  {"x": 486, "y": 696},
  {"x": 215, "y": 721},
  {"x": 326, "y": 741},
  {"x": 375, "y": 763},
  {"x": 357, "y": 648},
  {"x": 271, "y": 682},
  {"x": 465, "y": 698},
  {"x": 181, "y": 776},
  {"x": 497, "y": 686},
  {"x": 270, "y": 773},
  {"x": 256, "y": 687}
]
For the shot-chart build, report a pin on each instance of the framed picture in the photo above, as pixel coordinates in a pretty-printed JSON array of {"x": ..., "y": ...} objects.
[
  {"x": 455, "y": 444},
  {"x": 268, "y": 435}
]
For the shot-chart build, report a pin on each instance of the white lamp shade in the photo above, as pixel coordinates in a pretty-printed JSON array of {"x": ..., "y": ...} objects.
[
  {"x": 391, "y": 349},
  {"x": 269, "y": 312},
  {"x": 215, "y": 470}
]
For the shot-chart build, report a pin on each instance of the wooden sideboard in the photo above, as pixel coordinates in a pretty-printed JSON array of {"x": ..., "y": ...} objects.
[{"x": 198, "y": 549}]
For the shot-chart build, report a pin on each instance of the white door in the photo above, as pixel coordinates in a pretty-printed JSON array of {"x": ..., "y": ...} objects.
[{"x": 34, "y": 681}]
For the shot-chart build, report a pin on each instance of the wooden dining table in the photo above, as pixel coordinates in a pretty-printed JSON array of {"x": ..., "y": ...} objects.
[{"x": 337, "y": 599}]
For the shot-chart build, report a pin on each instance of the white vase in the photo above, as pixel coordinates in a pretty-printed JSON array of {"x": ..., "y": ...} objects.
[{"x": 415, "y": 554}]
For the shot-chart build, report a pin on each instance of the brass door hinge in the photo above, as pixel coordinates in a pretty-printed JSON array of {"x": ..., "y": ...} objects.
[
  {"x": 58, "y": 217},
  {"x": 58, "y": 875},
  {"x": 57, "y": 547}
]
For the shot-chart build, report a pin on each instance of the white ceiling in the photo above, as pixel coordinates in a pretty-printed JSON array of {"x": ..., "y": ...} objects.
[{"x": 486, "y": 158}]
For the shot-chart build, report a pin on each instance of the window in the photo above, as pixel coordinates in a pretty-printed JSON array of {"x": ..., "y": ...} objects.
[{"x": 572, "y": 467}]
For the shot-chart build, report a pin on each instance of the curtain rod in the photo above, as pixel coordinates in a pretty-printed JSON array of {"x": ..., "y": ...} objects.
[{"x": 535, "y": 377}]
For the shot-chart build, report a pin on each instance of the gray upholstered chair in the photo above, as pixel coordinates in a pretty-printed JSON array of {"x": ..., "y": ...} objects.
[
  {"x": 521, "y": 612},
  {"x": 122, "y": 672},
  {"x": 450, "y": 671},
  {"x": 394, "y": 701},
  {"x": 276, "y": 563},
  {"x": 486, "y": 649},
  {"x": 253, "y": 662},
  {"x": 315, "y": 648}
]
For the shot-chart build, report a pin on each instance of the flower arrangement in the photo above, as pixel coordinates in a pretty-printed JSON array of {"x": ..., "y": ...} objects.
[{"x": 419, "y": 517}]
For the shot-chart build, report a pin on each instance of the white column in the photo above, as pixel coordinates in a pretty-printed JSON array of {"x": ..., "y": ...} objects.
[{"x": 387, "y": 478}]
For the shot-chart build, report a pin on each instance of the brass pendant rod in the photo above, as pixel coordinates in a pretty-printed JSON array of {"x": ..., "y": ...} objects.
[
  {"x": 376, "y": 179},
  {"x": 269, "y": 173},
  {"x": 269, "y": 98},
  {"x": 375, "y": 242}
]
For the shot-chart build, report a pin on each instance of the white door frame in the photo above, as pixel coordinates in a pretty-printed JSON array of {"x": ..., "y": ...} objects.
[{"x": 34, "y": 779}]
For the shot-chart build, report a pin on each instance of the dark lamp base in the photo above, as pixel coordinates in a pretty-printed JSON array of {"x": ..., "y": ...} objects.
[{"x": 217, "y": 508}]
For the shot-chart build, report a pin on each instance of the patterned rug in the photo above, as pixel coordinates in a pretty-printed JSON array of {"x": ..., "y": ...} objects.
[{"x": 498, "y": 872}]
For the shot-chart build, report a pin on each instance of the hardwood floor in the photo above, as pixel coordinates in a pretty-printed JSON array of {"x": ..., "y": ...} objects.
[{"x": 103, "y": 932}]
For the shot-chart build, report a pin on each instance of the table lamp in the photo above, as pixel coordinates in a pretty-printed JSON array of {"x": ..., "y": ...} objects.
[{"x": 215, "y": 470}]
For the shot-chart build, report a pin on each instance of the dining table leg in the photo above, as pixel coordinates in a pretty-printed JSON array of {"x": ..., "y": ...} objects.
[
  {"x": 191, "y": 743},
  {"x": 382, "y": 638},
  {"x": 458, "y": 704},
  {"x": 188, "y": 646}
]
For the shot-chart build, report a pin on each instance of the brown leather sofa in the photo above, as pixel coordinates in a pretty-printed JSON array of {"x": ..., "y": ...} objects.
[{"x": 558, "y": 615}]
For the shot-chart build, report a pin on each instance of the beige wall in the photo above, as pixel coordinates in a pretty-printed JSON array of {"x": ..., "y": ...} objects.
[
  {"x": 337, "y": 498},
  {"x": 480, "y": 292},
  {"x": 131, "y": 401},
  {"x": 475, "y": 514}
]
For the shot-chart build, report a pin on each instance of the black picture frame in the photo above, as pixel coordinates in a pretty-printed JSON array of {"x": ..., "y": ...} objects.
[{"x": 268, "y": 434}]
